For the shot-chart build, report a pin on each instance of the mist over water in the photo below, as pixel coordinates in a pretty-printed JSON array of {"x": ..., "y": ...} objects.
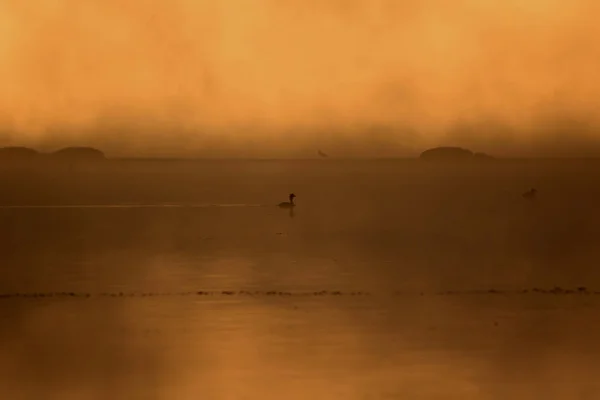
[
  {"x": 161, "y": 280},
  {"x": 269, "y": 78}
]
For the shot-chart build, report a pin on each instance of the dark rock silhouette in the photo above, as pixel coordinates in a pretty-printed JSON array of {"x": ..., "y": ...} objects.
[
  {"x": 18, "y": 154},
  {"x": 453, "y": 154},
  {"x": 79, "y": 154}
]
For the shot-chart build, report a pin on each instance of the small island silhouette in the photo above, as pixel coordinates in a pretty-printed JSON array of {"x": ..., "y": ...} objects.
[
  {"x": 453, "y": 154},
  {"x": 19, "y": 154},
  {"x": 78, "y": 154}
]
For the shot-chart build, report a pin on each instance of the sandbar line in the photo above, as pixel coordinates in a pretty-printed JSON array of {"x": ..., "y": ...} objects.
[{"x": 580, "y": 291}]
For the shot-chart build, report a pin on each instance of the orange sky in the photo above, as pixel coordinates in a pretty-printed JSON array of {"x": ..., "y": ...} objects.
[{"x": 145, "y": 75}]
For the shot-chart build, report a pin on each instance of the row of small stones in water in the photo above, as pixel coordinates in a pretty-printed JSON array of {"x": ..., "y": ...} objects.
[{"x": 557, "y": 291}]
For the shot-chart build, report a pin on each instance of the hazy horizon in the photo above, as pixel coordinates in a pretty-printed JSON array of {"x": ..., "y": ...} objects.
[
  {"x": 307, "y": 156},
  {"x": 277, "y": 79}
]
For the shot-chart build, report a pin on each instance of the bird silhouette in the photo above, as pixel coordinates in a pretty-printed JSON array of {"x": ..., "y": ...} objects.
[{"x": 530, "y": 194}]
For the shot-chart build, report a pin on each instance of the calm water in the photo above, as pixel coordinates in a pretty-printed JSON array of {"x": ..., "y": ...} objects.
[{"x": 375, "y": 287}]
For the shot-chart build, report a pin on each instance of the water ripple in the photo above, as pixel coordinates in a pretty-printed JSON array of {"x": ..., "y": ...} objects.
[{"x": 166, "y": 205}]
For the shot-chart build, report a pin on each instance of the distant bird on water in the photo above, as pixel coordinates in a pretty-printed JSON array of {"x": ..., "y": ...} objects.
[
  {"x": 288, "y": 204},
  {"x": 322, "y": 154},
  {"x": 530, "y": 194}
]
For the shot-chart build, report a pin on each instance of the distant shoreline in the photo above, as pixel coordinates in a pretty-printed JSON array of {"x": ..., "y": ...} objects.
[
  {"x": 337, "y": 159},
  {"x": 313, "y": 159},
  {"x": 432, "y": 156}
]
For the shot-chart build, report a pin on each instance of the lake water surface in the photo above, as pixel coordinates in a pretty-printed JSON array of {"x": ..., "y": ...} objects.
[{"x": 390, "y": 280}]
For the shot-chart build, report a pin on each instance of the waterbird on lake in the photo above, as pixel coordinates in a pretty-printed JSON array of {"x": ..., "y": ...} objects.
[
  {"x": 288, "y": 204},
  {"x": 530, "y": 194}
]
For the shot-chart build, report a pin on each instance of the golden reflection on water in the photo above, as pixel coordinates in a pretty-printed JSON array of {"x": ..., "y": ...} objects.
[
  {"x": 296, "y": 347},
  {"x": 258, "y": 346}
]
